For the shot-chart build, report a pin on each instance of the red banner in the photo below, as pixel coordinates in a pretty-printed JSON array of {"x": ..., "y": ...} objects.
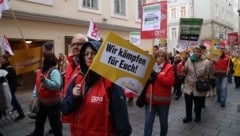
[
  {"x": 154, "y": 20},
  {"x": 233, "y": 38}
]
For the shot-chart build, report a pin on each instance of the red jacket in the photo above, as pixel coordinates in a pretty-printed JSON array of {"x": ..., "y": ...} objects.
[
  {"x": 46, "y": 96},
  {"x": 161, "y": 87},
  {"x": 93, "y": 117},
  {"x": 70, "y": 71}
]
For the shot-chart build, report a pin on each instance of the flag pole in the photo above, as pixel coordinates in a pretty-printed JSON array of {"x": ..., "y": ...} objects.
[
  {"x": 229, "y": 58},
  {"x": 151, "y": 95},
  {"x": 16, "y": 21}
]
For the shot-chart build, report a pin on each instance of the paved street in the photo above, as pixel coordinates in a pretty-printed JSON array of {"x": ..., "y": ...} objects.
[{"x": 216, "y": 121}]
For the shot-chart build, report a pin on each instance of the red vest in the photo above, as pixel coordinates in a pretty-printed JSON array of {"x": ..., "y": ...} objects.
[
  {"x": 161, "y": 88},
  {"x": 69, "y": 74},
  {"x": 93, "y": 117},
  {"x": 179, "y": 68},
  {"x": 46, "y": 96},
  {"x": 222, "y": 64}
]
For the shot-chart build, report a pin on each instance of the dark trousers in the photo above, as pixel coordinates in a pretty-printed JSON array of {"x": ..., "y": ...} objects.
[
  {"x": 198, "y": 104},
  {"x": 53, "y": 114},
  {"x": 178, "y": 86},
  {"x": 237, "y": 81},
  {"x": 16, "y": 105}
]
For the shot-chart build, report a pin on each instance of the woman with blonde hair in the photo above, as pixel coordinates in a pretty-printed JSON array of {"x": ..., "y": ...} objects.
[{"x": 158, "y": 94}]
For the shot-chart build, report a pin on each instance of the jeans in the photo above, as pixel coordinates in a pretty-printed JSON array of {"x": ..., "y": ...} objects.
[
  {"x": 162, "y": 111},
  {"x": 221, "y": 87}
]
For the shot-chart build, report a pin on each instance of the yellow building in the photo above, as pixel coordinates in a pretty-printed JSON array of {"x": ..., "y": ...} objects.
[{"x": 38, "y": 21}]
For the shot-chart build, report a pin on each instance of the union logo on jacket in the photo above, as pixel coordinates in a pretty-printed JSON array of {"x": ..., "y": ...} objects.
[{"x": 93, "y": 117}]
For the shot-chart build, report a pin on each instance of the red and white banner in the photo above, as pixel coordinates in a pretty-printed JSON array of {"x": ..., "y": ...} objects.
[
  {"x": 233, "y": 38},
  {"x": 6, "y": 46},
  {"x": 93, "y": 31},
  {"x": 154, "y": 20},
  {"x": 4, "y": 5}
]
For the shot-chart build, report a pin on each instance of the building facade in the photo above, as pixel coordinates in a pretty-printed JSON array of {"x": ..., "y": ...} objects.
[
  {"x": 38, "y": 21},
  {"x": 219, "y": 18},
  {"x": 57, "y": 21}
]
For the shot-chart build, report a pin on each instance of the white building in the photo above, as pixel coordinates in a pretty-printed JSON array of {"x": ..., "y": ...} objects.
[{"x": 220, "y": 17}]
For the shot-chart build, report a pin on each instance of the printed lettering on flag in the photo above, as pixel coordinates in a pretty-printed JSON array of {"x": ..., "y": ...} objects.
[
  {"x": 4, "y": 5},
  {"x": 129, "y": 65},
  {"x": 6, "y": 46},
  {"x": 93, "y": 31},
  {"x": 26, "y": 60}
]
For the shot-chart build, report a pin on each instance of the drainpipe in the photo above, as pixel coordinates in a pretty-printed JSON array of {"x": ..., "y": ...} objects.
[{"x": 193, "y": 9}]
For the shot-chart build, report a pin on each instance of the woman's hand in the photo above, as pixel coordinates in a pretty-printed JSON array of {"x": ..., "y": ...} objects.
[
  {"x": 42, "y": 77},
  {"x": 77, "y": 91}
]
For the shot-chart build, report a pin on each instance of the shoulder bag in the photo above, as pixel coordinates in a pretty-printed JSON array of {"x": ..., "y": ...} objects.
[{"x": 202, "y": 85}]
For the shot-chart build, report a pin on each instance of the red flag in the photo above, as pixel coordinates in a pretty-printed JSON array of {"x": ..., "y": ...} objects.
[
  {"x": 4, "y": 5},
  {"x": 6, "y": 46},
  {"x": 93, "y": 31},
  {"x": 207, "y": 43},
  {"x": 233, "y": 38}
]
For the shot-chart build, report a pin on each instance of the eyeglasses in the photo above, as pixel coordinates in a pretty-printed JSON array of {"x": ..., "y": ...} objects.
[{"x": 86, "y": 54}]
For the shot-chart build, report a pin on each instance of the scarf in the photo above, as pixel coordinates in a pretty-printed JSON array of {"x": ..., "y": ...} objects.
[
  {"x": 194, "y": 59},
  {"x": 157, "y": 67}
]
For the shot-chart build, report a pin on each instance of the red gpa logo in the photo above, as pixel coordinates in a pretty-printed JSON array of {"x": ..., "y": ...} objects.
[
  {"x": 96, "y": 99},
  {"x": 1, "y": 1}
]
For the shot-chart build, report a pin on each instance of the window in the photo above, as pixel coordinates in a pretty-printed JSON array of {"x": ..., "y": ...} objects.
[
  {"x": 216, "y": 31},
  {"x": 120, "y": 7},
  {"x": 140, "y": 2},
  {"x": 183, "y": 11},
  {"x": 173, "y": 32},
  {"x": 222, "y": 13},
  {"x": 173, "y": 13},
  {"x": 92, "y": 4},
  {"x": 216, "y": 11}
]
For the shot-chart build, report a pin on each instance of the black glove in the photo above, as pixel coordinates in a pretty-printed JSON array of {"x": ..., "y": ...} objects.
[{"x": 152, "y": 77}]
